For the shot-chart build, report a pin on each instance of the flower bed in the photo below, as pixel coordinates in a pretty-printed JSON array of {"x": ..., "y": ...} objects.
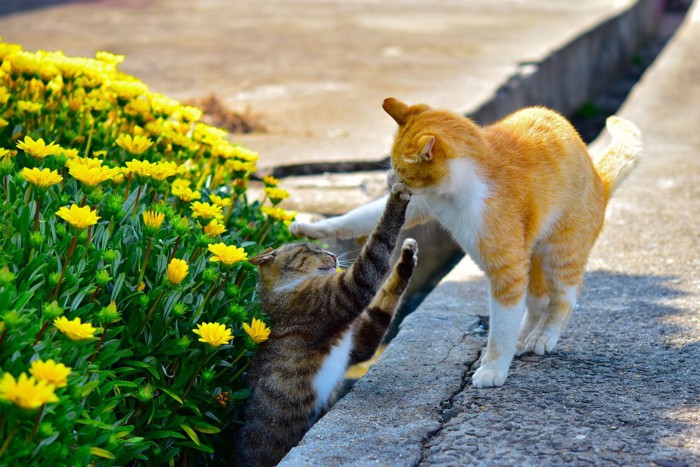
[{"x": 128, "y": 311}]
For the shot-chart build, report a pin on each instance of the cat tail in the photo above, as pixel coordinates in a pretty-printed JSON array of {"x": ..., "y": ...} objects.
[{"x": 622, "y": 155}]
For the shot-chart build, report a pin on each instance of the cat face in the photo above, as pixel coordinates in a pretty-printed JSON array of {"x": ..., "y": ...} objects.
[
  {"x": 295, "y": 261},
  {"x": 418, "y": 156}
]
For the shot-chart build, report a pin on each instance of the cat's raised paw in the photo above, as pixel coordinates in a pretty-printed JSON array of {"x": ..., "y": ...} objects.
[
  {"x": 411, "y": 245},
  {"x": 401, "y": 190}
]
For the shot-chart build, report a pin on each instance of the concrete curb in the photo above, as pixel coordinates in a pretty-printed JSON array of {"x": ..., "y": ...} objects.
[{"x": 406, "y": 396}]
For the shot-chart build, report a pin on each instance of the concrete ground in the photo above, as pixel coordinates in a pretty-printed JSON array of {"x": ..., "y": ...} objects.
[{"x": 622, "y": 386}]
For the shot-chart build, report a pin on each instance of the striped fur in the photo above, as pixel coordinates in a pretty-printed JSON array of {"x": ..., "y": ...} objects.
[{"x": 321, "y": 322}]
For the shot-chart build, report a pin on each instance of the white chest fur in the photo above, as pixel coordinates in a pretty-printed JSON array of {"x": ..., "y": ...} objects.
[
  {"x": 459, "y": 204},
  {"x": 332, "y": 371}
]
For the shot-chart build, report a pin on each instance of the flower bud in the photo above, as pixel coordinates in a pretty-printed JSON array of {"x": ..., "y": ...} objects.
[
  {"x": 54, "y": 277},
  {"x": 179, "y": 310},
  {"x": 143, "y": 300},
  {"x": 102, "y": 277},
  {"x": 96, "y": 196},
  {"x": 237, "y": 313},
  {"x": 6, "y": 276},
  {"x": 209, "y": 274},
  {"x": 12, "y": 319},
  {"x": 52, "y": 310},
  {"x": 232, "y": 291},
  {"x": 45, "y": 429},
  {"x": 184, "y": 342},
  {"x": 109, "y": 256},
  {"x": 36, "y": 239},
  {"x": 145, "y": 393},
  {"x": 208, "y": 375},
  {"x": 61, "y": 230},
  {"x": 109, "y": 314}
]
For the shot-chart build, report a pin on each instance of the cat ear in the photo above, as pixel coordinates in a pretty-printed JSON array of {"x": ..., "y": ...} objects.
[
  {"x": 396, "y": 109},
  {"x": 263, "y": 258},
  {"x": 426, "y": 142}
]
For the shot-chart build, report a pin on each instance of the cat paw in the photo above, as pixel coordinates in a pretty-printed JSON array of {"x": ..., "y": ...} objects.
[
  {"x": 409, "y": 252},
  {"x": 401, "y": 190},
  {"x": 540, "y": 341},
  {"x": 409, "y": 245},
  {"x": 313, "y": 231},
  {"x": 489, "y": 376},
  {"x": 392, "y": 178}
]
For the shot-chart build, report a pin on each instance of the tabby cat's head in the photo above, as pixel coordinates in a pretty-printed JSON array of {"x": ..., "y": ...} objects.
[
  {"x": 426, "y": 141},
  {"x": 293, "y": 263}
]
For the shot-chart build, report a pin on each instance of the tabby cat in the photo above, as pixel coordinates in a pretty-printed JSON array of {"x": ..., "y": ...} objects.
[
  {"x": 522, "y": 197},
  {"x": 322, "y": 322}
]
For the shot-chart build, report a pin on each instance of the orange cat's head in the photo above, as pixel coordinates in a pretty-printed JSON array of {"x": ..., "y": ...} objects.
[{"x": 425, "y": 143}]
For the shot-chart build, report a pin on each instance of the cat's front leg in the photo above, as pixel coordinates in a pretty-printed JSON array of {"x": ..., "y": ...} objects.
[
  {"x": 359, "y": 221},
  {"x": 507, "y": 288}
]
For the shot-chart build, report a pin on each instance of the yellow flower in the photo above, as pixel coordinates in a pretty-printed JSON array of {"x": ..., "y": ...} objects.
[
  {"x": 220, "y": 201},
  {"x": 153, "y": 219},
  {"x": 227, "y": 254},
  {"x": 245, "y": 154},
  {"x": 240, "y": 166},
  {"x": 37, "y": 149},
  {"x": 205, "y": 210},
  {"x": 74, "y": 329},
  {"x": 269, "y": 180},
  {"x": 214, "y": 229},
  {"x": 142, "y": 168},
  {"x": 258, "y": 330},
  {"x": 78, "y": 217},
  {"x": 29, "y": 107},
  {"x": 135, "y": 145},
  {"x": 50, "y": 372},
  {"x": 91, "y": 176},
  {"x": 163, "y": 170},
  {"x": 280, "y": 214},
  {"x": 186, "y": 194},
  {"x": 214, "y": 334},
  {"x": 41, "y": 178},
  {"x": 276, "y": 194},
  {"x": 26, "y": 392},
  {"x": 177, "y": 270}
]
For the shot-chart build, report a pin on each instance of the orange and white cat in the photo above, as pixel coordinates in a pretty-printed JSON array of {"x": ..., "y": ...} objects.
[{"x": 522, "y": 197}]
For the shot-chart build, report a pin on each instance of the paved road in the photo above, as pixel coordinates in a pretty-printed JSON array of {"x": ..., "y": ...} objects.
[
  {"x": 315, "y": 71},
  {"x": 623, "y": 386}
]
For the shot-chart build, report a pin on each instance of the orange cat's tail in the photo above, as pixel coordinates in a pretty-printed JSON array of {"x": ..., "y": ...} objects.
[{"x": 622, "y": 155}]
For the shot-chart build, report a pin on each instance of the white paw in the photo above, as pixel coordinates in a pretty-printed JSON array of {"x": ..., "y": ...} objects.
[
  {"x": 401, "y": 190},
  {"x": 541, "y": 341},
  {"x": 314, "y": 231},
  {"x": 410, "y": 244},
  {"x": 489, "y": 375}
]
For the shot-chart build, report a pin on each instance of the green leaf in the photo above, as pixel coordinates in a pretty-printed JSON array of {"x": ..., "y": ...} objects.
[
  {"x": 190, "y": 432},
  {"x": 89, "y": 387},
  {"x": 99, "y": 452},
  {"x": 171, "y": 394}
]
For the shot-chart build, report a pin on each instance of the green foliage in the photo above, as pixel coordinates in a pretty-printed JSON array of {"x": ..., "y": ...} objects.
[{"x": 142, "y": 385}]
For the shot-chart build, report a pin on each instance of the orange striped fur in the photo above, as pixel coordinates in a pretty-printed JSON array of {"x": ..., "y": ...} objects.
[{"x": 525, "y": 199}]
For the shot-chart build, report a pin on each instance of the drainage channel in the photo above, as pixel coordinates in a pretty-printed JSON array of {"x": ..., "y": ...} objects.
[{"x": 588, "y": 119}]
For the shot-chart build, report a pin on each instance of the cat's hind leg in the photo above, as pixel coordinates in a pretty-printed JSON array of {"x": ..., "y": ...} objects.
[
  {"x": 564, "y": 266},
  {"x": 536, "y": 301}
]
